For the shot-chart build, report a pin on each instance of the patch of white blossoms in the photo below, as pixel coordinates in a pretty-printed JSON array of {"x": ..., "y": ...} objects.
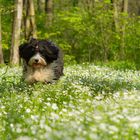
[{"x": 89, "y": 102}]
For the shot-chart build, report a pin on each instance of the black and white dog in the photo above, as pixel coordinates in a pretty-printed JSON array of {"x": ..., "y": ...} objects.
[{"x": 42, "y": 61}]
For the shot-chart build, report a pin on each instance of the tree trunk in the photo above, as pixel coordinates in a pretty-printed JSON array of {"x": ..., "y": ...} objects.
[
  {"x": 75, "y": 3},
  {"x": 90, "y": 5},
  {"x": 124, "y": 10},
  {"x": 14, "y": 54},
  {"x": 1, "y": 53},
  {"x": 125, "y": 6},
  {"x": 116, "y": 14},
  {"x": 41, "y": 5},
  {"x": 120, "y": 6},
  {"x": 29, "y": 19},
  {"x": 49, "y": 12}
]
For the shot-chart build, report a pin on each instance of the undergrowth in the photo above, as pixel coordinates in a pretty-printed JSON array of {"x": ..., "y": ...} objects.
[{"x": 89, "y": 102}]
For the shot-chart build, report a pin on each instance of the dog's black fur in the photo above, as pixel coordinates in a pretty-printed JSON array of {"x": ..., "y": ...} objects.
[{"x": 42, "y": 61}]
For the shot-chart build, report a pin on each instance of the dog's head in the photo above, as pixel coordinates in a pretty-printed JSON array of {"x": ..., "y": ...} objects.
[{"x": 38, "y": 53}]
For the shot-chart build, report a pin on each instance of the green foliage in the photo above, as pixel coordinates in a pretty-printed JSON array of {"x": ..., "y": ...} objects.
[
  {"x": 85, "y": 33},
  {"x": 6, "y": 12},
  {"x": 119, "y": 65},
  {"x": 89, "y": 36}
]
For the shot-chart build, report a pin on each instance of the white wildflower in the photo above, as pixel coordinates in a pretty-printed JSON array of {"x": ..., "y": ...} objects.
[
  {"x": 49, "y": 99},
  {"x": 103, "y": 126},
  {"x": 54, "y": 116},
  {"x": 24, "y": 138},
  {"x": 11, "y": 125},
  {"x": 18, "y": 130},
  {"x": 135, "y": 125},
  {"x": 28, "y": 110},
  {"x": 34, "y": 117},
  {"x": 113, "y": 128},
  {"x": 64, "y": 110},
  {"x": 54, "y": 106},
  {"x": 48, "y": 104}
]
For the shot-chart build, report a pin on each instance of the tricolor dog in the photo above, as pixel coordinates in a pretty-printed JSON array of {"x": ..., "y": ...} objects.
[{"x": 42, "y": 61}]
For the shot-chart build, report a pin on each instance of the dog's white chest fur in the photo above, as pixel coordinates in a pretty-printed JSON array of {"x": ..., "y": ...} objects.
[{"x": 41, "y": 74}]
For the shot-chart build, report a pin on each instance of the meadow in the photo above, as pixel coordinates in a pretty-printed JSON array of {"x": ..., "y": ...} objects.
[{"x": 88, "y": 103}]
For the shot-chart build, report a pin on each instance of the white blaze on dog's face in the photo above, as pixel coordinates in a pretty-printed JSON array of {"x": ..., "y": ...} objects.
[{"x": 37, "y": 61}]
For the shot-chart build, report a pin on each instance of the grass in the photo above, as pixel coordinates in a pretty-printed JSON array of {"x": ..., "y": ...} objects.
[{"x": 88, "y": 103}]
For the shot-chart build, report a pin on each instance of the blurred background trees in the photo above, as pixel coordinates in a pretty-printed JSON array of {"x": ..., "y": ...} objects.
[
  {"x": 86, "y": 30},
  {"x": 16, "y": 29},
  {"x": 1, "y": 52},
  {"x": 29, "y": 19}
]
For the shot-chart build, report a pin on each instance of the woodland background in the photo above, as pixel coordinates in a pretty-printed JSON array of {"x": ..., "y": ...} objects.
[
  {"x": 105, "y": 31},
  {"x": 91, "y": 102}
]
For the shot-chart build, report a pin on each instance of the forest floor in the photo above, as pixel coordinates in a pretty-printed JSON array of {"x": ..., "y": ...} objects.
[{"x": 88, "y": 103}]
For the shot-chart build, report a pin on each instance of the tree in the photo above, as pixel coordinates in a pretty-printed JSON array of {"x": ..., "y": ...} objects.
[
  {"x": 124, "y": 10},
  {"x": 1, "y": 53},
  {"x": 134, "y": 7},
  {"x": 14, "y": 54},
  {"x": 41, "y": 5},
  {"x": 88, "y": 5},
  {"x": 29, "y": 19},
  {"x": 116, "y": 14},
  {"x": 49, "y": 12},
  {"x": 120, "y": 6},
  {"x": 75, "y": 2}
]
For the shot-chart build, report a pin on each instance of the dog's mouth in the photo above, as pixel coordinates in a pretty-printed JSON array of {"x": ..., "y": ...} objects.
[{"x": 37, "y": 65}]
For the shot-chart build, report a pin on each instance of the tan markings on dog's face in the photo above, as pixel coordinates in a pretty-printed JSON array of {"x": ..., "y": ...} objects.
[{"x": 37, "y": 61}]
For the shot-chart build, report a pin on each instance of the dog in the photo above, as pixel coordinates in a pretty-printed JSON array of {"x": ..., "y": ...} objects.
[{"x": 42, "y": 61}]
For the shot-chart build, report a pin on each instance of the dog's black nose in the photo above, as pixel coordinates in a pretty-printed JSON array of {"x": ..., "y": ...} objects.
[{"x": 36, "y": 60}]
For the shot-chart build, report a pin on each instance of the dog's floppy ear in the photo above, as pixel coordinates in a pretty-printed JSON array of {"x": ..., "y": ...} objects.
[
  {"x": 33, "y": 41},
  {"x": 51, "y": 50},
  {"x": 22, "y": 49}
]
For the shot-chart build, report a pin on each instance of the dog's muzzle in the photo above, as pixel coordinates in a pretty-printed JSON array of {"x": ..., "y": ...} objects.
[{"x": 37, "y": 61}]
